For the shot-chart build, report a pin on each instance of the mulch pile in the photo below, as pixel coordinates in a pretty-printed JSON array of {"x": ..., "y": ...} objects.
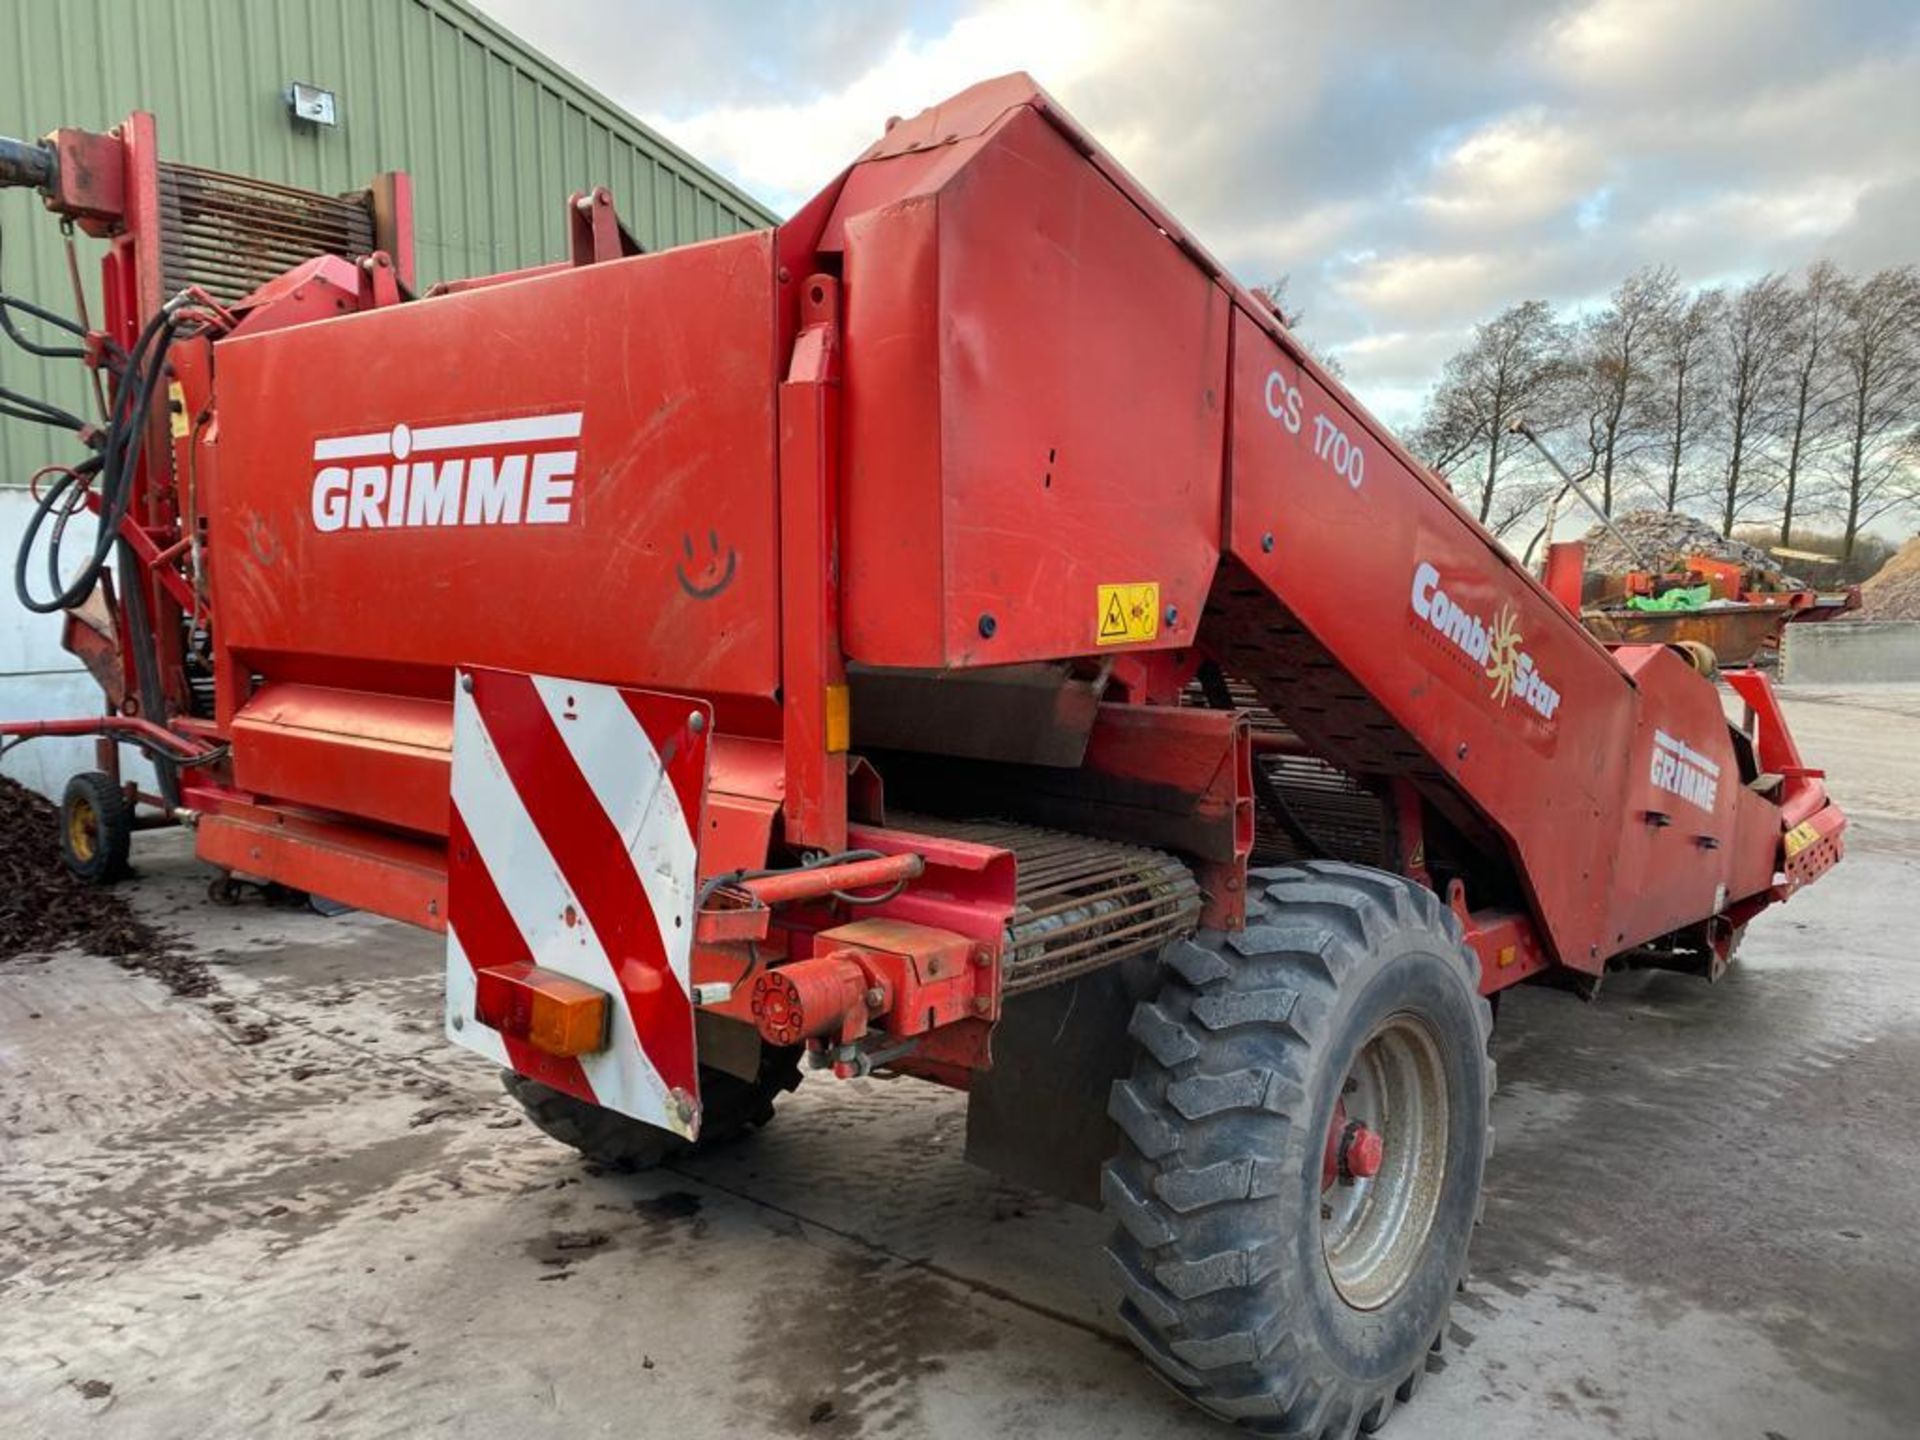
[
  {"x": 44, "y": 908},
  {"x": 1664, "y": 541},
  {"x": 1894, "y": 593}
]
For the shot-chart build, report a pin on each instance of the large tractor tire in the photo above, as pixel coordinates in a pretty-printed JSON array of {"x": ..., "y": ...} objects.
[
  {"x": 1303, "y": 1138},
  {"x": 96, "y": 828},
  {"x": 732, "y": 1106}
]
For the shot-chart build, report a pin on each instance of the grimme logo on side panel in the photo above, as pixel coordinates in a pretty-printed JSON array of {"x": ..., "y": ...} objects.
[
  {"x": 1681, "y": 770},
  {"x": 489, "y": 472}
]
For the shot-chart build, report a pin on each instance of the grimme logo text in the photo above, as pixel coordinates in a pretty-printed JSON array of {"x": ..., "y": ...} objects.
[
  {"x": 491, "y": 472},
  {"x": 1681, "y": 770}
]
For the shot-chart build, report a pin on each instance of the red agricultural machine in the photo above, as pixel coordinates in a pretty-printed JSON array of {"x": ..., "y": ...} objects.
[{"x": 958, "y": 633}]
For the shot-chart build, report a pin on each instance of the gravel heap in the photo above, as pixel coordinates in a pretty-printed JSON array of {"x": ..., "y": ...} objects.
[
  {"x": 1664, "y": 540},
  {"x": 1894, "y": 593},
  {"x": 44, "y": 908}
]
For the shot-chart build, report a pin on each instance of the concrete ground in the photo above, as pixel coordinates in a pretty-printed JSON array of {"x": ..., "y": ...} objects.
[{"x": 1703, "y": 1215}]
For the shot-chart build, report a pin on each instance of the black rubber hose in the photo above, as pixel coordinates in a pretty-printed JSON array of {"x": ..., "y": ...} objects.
[
  {"x": 146, "y": 667},
  {"x": 1213, "y": 684},
  {"x": 15, "y": 406},
  {"x": 40, "y": 313},
  {"x": 119, "y": 460},
  {"x": 34, "y": 347}
]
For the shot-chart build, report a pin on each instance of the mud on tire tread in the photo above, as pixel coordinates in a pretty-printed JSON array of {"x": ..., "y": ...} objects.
[
  {"x": 1214, "y": 1243},
  {"x": 733, "y": 1106}
]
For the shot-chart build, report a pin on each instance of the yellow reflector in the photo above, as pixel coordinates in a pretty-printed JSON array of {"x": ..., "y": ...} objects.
[
  {"x": 552, "y": 1012},
  {"x": 839, "y": 719}
]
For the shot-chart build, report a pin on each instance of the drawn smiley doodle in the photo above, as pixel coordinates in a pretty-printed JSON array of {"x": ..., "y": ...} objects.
[{"x": 707, "y": 579}]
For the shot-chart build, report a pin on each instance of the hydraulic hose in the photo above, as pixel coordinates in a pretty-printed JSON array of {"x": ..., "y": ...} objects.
[
  {"x": 146, "y": 666},
  {"x": 1213, "y": 684},
  {"x": 9, "y": 303},
  {"x": 114, "y": 467}
]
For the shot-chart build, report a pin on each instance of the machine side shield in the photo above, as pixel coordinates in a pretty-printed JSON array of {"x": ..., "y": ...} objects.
[{"x": 573, "y": 848}]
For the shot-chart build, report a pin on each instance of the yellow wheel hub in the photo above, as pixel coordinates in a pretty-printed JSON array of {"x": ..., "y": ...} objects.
[{"x": 82, "y": 828}]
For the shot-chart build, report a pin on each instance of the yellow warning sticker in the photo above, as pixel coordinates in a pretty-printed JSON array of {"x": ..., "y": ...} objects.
[
  {"x": 177, "y": 410},
  {"x": 1128, "y": 614},
  {"x": 1800, "y": 837}
]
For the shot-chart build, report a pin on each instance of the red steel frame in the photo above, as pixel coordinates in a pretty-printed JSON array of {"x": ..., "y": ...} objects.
[{"x": 880, "y": 505}]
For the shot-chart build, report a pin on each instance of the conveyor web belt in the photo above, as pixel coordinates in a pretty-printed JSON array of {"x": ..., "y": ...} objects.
[{"x": 1082, "y": 903}]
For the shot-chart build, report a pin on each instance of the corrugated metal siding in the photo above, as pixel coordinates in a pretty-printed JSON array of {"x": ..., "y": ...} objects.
[{"x": 494, "y": 135}]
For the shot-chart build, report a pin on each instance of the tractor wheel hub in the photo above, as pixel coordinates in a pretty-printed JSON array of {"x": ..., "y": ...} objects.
[{"x": 1361, "y": 1151}]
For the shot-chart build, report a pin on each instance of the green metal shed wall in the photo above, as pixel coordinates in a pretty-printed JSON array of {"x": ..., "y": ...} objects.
[{"x": 495, "y": 135}]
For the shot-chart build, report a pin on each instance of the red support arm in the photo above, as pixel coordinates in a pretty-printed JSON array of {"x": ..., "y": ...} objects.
[{"x": 813, "y": 683}]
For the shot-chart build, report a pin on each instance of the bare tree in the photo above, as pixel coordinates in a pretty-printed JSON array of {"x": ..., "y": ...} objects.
[
  {"x": 1515, "y": 367},
  {"x": 1878, "y": 352},
  {"x": 1817, "y": 310},
  {"x": 1753, "y": 349},
  {"x": 1274, "y": 293},
  {"x": 1685, "y": 356},
  {"x": 1806, "y": 395},
  {"x": 1613, "y": 374},
  {"x": 1525, "y": 499}
]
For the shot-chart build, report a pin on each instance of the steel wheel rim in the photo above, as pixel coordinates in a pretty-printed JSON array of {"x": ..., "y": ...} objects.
[
  {"x": 1373, "y": 1229},
  {"x": 80, "y": 828}
]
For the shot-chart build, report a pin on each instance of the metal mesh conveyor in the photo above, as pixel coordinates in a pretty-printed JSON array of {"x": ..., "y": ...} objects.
[
  {"x": 1081, "y": 903},
  {"x": 229, "y": 234}
]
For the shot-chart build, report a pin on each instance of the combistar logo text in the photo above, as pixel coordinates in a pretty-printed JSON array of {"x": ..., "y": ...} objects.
[
  {"x": 1495, "y": 644},
  {"x": 489, "y": 472}
]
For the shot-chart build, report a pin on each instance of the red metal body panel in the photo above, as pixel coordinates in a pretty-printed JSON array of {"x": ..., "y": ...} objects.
[
  {"x": 1016, "y": 304},
  {"x": 1690, "y": 834},
  {"x": 379, "y": 757},
  {"x": 664, "y": 569},
  {"x": 1346, "y": 559},
  {"x": 1034, "y": 393},
  {"x": 387, "y": 874},
  {"x": 1192, "y": 771}
]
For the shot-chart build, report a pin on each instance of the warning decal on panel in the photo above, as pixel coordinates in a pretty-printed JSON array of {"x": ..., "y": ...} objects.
[{"x": 1128, "y": 614}]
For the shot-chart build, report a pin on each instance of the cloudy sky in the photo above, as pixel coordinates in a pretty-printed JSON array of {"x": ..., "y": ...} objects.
[{"x": 1413, "y": 166}]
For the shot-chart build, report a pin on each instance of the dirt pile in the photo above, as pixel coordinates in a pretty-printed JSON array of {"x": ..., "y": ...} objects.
[
  {"x": 43, "y": 907},
  {"x": 1664, "y": 541},
  {"x": 1894, "y": 592}
]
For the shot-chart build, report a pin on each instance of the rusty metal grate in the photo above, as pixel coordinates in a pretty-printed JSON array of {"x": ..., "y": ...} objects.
[
  {"x": 1342, "y": 814},
  {"x": 1081, "y": 903},
  {"x": 1332, "y": 805},
  {"x": 230, "y": 234}
]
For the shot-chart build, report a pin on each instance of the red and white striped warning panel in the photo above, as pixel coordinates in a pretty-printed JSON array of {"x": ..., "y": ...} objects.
[{"x": 575, "y": 812}]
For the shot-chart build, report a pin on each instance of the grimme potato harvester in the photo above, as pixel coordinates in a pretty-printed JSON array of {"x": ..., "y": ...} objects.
[{"x": 958, "y": 633}]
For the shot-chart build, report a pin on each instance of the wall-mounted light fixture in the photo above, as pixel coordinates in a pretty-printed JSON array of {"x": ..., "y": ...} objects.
[{"x": 311, "y": 104}]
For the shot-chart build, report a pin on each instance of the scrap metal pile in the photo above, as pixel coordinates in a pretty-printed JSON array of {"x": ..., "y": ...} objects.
[
  {"x": 1664, "y": 540},
  {"x": 1654, "y": 577}
]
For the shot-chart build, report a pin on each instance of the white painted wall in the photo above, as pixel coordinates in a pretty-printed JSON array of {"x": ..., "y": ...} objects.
[{"x": 38, "y": 679}]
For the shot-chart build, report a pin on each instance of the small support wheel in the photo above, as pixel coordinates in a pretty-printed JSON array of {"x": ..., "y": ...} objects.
[
  {"x": 96, "y": 828},
  {"x": 223, "y": 889}
]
